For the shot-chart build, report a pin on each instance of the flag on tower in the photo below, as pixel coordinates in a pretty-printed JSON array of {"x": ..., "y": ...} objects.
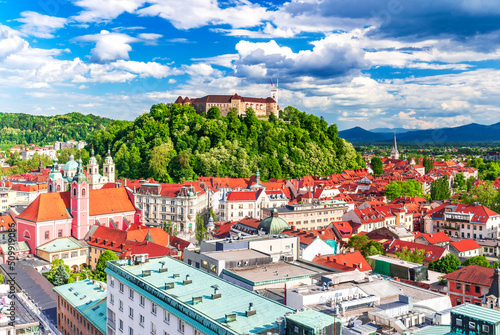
[{"x": 271, "y": 81}]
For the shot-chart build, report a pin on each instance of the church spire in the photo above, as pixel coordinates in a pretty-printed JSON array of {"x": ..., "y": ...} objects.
[{"x": 395, "y": 152}]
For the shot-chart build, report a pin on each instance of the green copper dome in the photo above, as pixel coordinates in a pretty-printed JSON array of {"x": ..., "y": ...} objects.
[{"x": 273, "y": 224}]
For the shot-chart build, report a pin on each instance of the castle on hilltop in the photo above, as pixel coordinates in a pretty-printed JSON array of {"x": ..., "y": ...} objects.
[{"x": 263, "y": 107}]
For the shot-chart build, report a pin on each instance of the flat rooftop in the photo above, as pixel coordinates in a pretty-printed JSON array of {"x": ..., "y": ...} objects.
[
  {"x": 397, "y": 261},
  {"x": 250, "y": 238},
  {"x": 235, "y": 255},
  {"x": 211, "y": 313},
  {"x": 271, "y": 272}
]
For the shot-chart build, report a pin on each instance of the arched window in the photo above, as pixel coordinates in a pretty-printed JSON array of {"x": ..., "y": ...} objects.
[
  {"x": 106, "y": 169},
  {"x": 50, "y": 188},
  {"x": 58, "y": 188},
  {"x": 74, "y": 192},
  {"x": 83, "y": 192},
  {"x": 27, "y": 234}
]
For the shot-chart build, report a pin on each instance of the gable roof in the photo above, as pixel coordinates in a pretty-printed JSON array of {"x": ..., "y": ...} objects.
[
  {"x": 465, "y": 245},
  {"x": 55, "y": 206},
  {"x": 432, "y": 252},
  {"x": 473, "y": 274},
  {"x": 344, "y": 262},
  {"x": 433, "y": 238}
]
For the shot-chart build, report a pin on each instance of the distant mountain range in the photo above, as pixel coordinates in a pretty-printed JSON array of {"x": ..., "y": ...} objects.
[{"x": 469, "y": 133}]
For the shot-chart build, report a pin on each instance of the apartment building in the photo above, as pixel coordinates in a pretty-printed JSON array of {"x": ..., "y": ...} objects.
[
  {"x": 177, "y": 203},
  {"x": 81, "y": 308},
  {"x": 462, "y": 220},
  {"x": 167, "y": 296},
  {"x": 310, "y": 216},
  {"x": 237, "y": 205}
]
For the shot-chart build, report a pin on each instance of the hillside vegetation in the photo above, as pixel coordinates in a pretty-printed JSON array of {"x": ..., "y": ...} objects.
[
  {"x": 26, "y": 128},
  {"x": 174, "y": 143}
]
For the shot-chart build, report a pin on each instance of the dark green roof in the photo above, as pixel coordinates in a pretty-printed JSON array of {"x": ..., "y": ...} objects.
[{"x": 273, "y": 224}]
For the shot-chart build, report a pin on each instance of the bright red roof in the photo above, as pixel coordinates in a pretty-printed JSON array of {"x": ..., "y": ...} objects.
[
  {"x": 344, "y": 262},
  {"x": 436, "y": 237},
  {"x": 432, "y": 252},
  {"x": 465, "y": 245}
]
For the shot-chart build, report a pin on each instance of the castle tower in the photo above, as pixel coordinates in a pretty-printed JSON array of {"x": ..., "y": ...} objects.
[
  {"x": 274, "y": 92},
  {"x": 80, "y": 204},
  {"x": 395, "y": 152},
  {"x": 93, "y": 172},
  {"x": 55, "y": 182},
  {"x": 108, "y": 168}
]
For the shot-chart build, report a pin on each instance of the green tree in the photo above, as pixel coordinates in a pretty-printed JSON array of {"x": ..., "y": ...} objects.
[
  {"x": 159, "y": 160},
  {"x": 377, "y": 166},
  {"x": 1, "y": 279},
  {"x": 393, "y": 190},
  {"x": 213, "y": 113},
  {"x": 102, "y": 262},
  {"x": 212, "y": 214},
  {"x": 446, "y": 264},
  {"x": 477, "y": 260},
  {"x": 440, "y": 189},
  {"x": 484, "y": 194},
  {"x": 428, "y": 164},
  {"x": 459, "y": 182},
  {"x": 61, "y": 276},
  {"x": 357, "y": 242},
  {"x": 200, "y": 229},
  {"x": 170, "y": 228},
  {"x": 414, "y": 256},
  {"x": 366, "y": 247}
]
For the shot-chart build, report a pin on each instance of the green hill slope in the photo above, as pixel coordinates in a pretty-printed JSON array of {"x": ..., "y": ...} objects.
[
  {"x": 26, "y": 128},
  {"x": 174, "y": 143}
]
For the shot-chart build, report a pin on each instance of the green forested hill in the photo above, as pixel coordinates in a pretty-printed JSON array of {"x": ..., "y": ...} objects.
[
  {"x": 26, "y": 128},
  {"x": 174, "y": 143}
]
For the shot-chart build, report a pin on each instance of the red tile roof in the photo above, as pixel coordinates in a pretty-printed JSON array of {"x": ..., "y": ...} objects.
[
  {"x": 436, "y": 237},
  {"x": 54, "y": 206},
  {"x": 432, "y": 253},
  {"x": 465, "y": 245},
  {"x": 344, "y": 262},
  {"x": 473, "y": 274},
  {"x": 243, "y": 195},
  {"x": 150, "y": 248},
  {"x": 5, "y": 222}
]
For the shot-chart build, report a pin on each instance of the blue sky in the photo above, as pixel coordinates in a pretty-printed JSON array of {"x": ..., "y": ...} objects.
[{"x": 370, "y": 63}]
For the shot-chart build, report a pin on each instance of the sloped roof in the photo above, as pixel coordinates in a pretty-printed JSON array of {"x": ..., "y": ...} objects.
[
  {"x": 465, "y": 245},
  {"x": 473, "y": 274},
  {"x": 432, "y": 252},
  {"x": 344, "y": 262},
  {"x": 436, "y": 237}
]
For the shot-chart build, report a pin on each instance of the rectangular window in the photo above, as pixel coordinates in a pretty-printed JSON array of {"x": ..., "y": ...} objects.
[
  {"x": 458, "y": 322},
  {"x": 131, "y": 312},
  {"x": 467, "y": 287},
  {"x": 121, "y": 287},
  {"x": 130, "y": 331},
  {"x": 153, "y": 308},
  {"x": 46, "y": 235},
  {"x": 166, "y": 316},
  {"x": 458, "y": 286},
  {"x": 112, "y": 299},
  {"x": 472, "y": 325},
  {"x": 74, "y": 254},
  {"x": 478, "y": 289},
  {"x": 180, "y": 326},
  {"x": 59, "y": 233},
  {"x": 142, "y": 301},
  {"x": 486, "y": 329},
  {"x": 141, "y": 320},
  {"x": 153, "y": 328},
  {"x": 112, "y": 281},
  {"x": 131, "y": 294},
  {"x": 120, "y": 325},
  {"x": 121, "y": 305}
]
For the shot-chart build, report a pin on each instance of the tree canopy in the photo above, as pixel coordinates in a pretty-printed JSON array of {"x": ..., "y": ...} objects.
[
  {"x": 440, "y": 189},
  {"x": 102, "y": 262},
  {"x": 377, "y": 166},
  {"x": 446, "y": 264},
  {"x": 174, "y": 143},
  {"x": 409, "y": 188},
  {"x": 477, "y": 260},
  {"x": 414, "y": 256},
  {"x": 366, "y": 247}
]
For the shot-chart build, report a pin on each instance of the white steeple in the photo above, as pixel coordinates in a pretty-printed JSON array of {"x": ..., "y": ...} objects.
[
  {"x": 395, "y": 152},
  {"x": 274, "y": 92}
]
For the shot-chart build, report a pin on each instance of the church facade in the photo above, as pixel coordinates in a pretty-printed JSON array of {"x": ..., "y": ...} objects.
[{"x": 72, "y": 213}]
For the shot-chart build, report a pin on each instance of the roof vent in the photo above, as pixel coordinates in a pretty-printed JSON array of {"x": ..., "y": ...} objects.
[
  {"x": 230, "y": 317},
  {"x": 169, "y": 286},
  {"x": 146, "y": 273},
  {"x": 188, "y": 280},
  {"x": 251, "y": 311},
  {"x": 197, "y": 300}
]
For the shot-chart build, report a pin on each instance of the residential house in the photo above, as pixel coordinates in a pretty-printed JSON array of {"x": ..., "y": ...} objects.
[
  {"x": 438, "y": 239},
  {"x": 432, "y": 253},
  {"x": 469, "y": 284},
  {"x": 347, "y": 261},
  {"x": 465, "y": 248}
]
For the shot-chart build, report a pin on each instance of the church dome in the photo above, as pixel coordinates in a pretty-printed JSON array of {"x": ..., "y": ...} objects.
[
  {"x": 71, "y": 164},
  {"x": 273, "y": 224}
]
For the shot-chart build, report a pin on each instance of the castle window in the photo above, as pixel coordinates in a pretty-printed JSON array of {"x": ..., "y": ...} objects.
[
  {"x": 27, "y": 234},
  {"x": 83, "y": 192},
  {"x": 74, "y": 191},
  {"x": 50, "y": 188},
  {"x": 106, "y": 169},
  {"x": 46, "y": 235},
  {"x": 58, "y": 188}
]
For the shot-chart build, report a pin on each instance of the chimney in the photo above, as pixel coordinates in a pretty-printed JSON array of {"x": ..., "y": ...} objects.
[
  {"x": 360, "y": 265},
  {"x": 344, "y": 252},
  {"x": 351, "y": 250}
]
